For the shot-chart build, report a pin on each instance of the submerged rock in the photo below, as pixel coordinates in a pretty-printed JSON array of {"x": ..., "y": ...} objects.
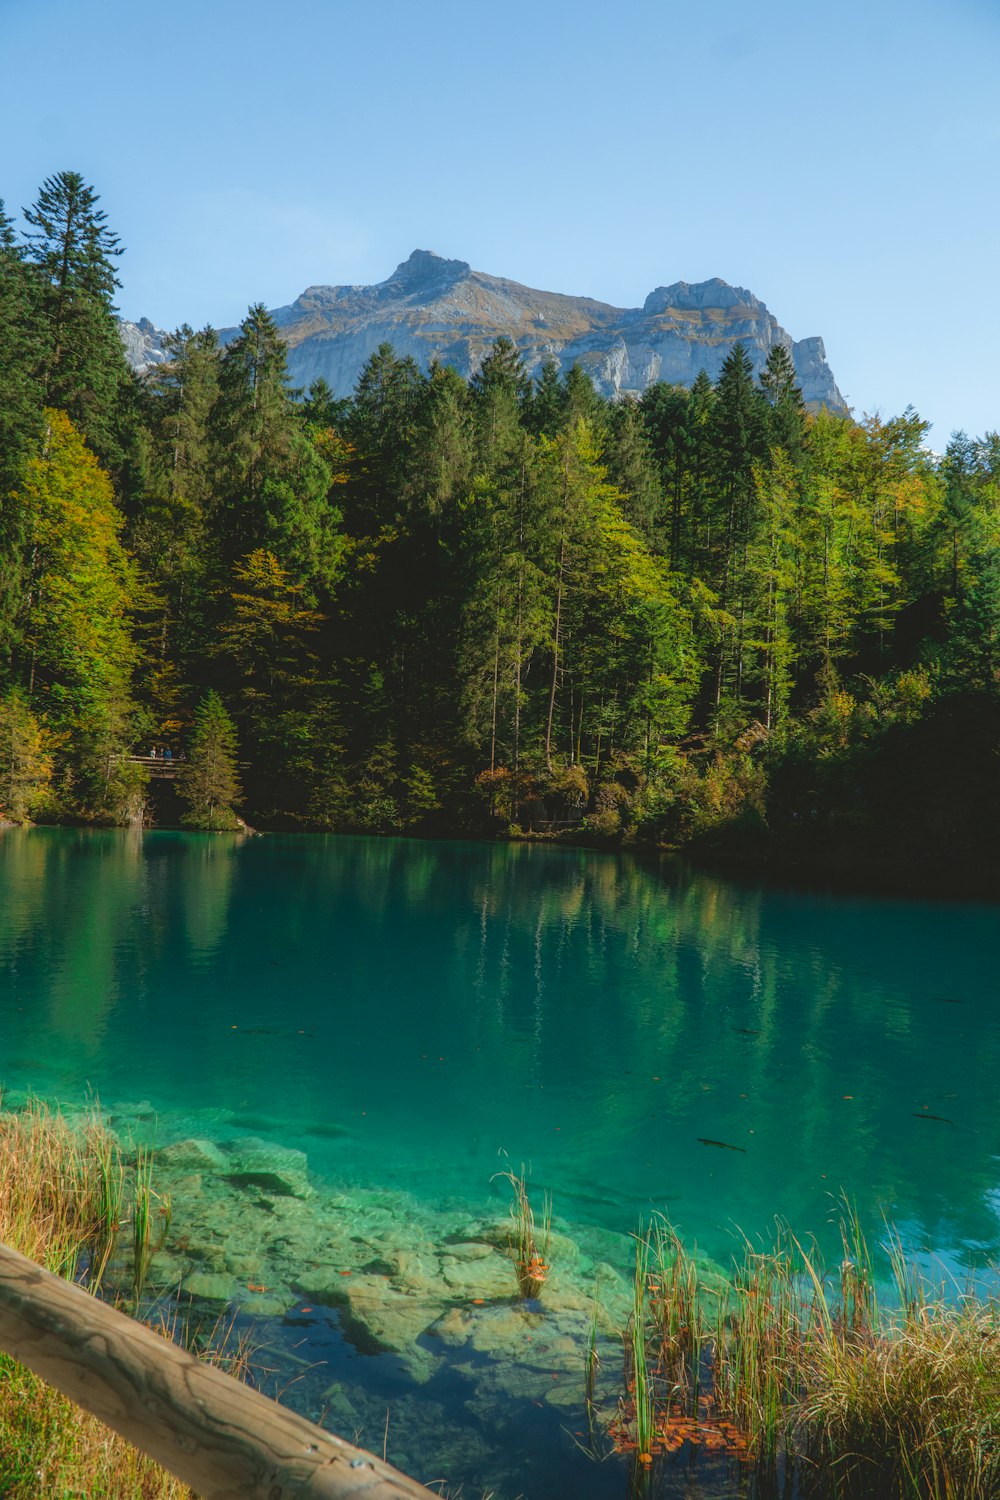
[
  {"x": 210, "y": 1286},
  {"x": 192, "y": 1156},
  {"x": 254, "y": 1162}
]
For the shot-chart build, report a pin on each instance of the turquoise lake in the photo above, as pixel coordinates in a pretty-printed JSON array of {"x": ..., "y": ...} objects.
[{"x": 416, "y": 1016}]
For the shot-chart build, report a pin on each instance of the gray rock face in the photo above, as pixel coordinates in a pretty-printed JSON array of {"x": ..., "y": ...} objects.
[
  {"x": 432, "y": 308},
  {"x": 143, "y": 344}
]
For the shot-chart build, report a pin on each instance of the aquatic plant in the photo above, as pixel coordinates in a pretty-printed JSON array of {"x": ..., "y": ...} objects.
[
  {"x": 145, "y": 1239},
  {"x": 528, "y": 1243},
  {"x": 809, "y": 1379}
]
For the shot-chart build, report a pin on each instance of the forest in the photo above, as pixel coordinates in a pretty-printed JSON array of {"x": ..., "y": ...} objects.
[{"x": 706, "y": 617}]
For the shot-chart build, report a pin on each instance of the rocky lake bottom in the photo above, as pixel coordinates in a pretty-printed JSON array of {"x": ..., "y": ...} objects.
[{"x": 394, "y": 1322}]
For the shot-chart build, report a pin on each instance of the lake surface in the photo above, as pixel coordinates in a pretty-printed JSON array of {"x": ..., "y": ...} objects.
[{"x": 415, "y": 1016}]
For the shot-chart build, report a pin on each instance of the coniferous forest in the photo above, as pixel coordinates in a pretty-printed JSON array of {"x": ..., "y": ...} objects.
[{"x": 705, "y": 616}]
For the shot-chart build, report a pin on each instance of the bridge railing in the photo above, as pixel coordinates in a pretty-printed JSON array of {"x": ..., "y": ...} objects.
[{"x": 214, "y": 1433}]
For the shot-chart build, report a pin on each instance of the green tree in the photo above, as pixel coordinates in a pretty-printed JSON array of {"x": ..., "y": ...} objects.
[
  {"x": 275, "y": 483},
  {"x": 208, "y": 780},
  {"x": 739, "y": 429},
  {"x": 633, "y": 470},
  {"x": 21, "y": 396},
  {"x": 786, "y": 415},
  {"x": 545, "y": 403},
  {"x": 73, "y": 252},
  {"x": 267, "y": 642},
  {"x": 76, "y": 648},
  {"x": 380, "y": 426},
  {"x": 25, "y": 758}
]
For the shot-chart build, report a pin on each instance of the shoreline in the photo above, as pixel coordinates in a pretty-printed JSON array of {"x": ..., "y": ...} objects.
[{"x": 839, "y": 869}]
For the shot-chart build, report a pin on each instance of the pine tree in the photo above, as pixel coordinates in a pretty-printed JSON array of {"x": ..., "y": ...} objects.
[
  {"x": 786, "y": 418},
  {"x": 633, "y": 470},
  {"x": 275, "y": 482},
  {"x": 208, "y": 780},
  {"x": 740, "y": 436},
  {"x": 498, "y": 390},
  {"x": 83, "y": 365},
  {"x": 583, "y": 404},
  {"x": 545, "y": 404},
  {"x": 380, "y": 426},
  {"x": 20, "y": 390}
]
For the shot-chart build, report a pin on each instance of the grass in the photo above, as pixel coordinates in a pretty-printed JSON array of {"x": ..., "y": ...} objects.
[
  {"x": 63, "y": 1193},
  {"x": 528, "y": 1242},
  {"x": 810, "y": 1380}
]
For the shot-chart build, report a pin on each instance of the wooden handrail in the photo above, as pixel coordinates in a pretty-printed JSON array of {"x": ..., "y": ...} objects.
[{"x": 226, "y": 1441}]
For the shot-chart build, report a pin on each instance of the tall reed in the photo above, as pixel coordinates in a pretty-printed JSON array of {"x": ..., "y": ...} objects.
[
  {"x": 528, "y": 1242},
  {"x": 812, "y": 1380},
  {"x": 149, "y": 1227}
]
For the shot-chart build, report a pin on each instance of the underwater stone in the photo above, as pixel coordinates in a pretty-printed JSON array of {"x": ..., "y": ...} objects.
[
  {"x": 323, "y": 1283},
  {"x": 266, "y": 1165},
  {"x": 192, "y": 1156},
  {"x": 470, "y": 1250},
  {"x": 564, "y": 1394},
  {"x": 210, "y": 1286},
  {"x": 495, "y": 1277},
  {"x": 273, "y": 1303}
]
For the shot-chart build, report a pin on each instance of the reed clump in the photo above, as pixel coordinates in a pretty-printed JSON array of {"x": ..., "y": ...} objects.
[
  {"x": 65, "y": 1203},
  {"x": 528, "y": 1240},
  {"x": 811, "y": 1380}
]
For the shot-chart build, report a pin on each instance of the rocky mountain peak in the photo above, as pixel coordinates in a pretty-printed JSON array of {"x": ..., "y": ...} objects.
[
  {"x": 700, "y": 296},
  {"x": 423, "y": 270},
  {"x": 432, "y": 308}
]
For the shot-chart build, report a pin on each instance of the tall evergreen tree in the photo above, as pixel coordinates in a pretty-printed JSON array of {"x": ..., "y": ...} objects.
[
  {"x": 276, "y": 485},
  {"x": 786, "y": 417},
  {"x": 73, "y": 253},
  {"x": 208, "y": 781},
  {"x": 739, "y": 429}
]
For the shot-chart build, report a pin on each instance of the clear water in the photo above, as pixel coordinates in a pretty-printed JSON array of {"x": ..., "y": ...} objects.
[{"x": 405, "y": 1011}]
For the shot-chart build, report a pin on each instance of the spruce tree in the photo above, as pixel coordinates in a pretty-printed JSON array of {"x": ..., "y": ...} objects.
[
  {"x": 275, "y": 484},
  {"x": 20, "y": 390},
  {"x": 786, "y": 417},
  {"x": 208, "y": 780},
  {"x": 545, "y": 406},
  {"x": 83, "y": 366},
  {"x": 381, "y": 424}
]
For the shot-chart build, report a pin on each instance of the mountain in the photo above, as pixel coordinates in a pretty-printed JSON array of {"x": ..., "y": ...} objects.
[{"x": 434, "y": 308}]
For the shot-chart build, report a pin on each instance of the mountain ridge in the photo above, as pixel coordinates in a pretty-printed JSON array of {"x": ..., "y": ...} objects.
[{"x": 431, "y": 307}]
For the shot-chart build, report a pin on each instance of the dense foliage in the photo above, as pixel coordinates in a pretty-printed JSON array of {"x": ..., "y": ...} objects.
[{"x": 449, "y": 605}]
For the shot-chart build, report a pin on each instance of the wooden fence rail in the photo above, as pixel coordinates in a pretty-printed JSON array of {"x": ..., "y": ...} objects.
[{"x": 223, "y": 1439}]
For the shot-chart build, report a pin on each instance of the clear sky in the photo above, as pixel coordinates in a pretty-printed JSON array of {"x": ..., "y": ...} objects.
[{"x": 842, "y": 161}]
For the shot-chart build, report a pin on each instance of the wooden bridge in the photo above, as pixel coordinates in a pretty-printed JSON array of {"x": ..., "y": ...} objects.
[
  {"x": 226, "y": 1441},
  {"x": 159, "y": 767}
]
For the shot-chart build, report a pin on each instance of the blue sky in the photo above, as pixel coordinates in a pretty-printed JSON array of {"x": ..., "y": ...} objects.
[{"x": 840, "y": 161}]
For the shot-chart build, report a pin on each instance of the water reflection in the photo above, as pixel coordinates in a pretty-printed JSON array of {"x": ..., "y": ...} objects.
[{"x": 427, "y": 1005}]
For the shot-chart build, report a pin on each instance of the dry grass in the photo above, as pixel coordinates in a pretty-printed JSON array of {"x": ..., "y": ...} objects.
[{"x": 63, "y": 1193}]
